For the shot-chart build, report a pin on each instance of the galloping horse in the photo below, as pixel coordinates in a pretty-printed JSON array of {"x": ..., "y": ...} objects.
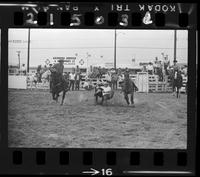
[
  {"x": 59, "y": 84},
  {"x": 177, "y": 82},
  {"x": 128, "y": 88}
]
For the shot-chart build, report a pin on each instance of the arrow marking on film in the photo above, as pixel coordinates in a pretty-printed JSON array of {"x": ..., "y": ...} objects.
[{"x": 93, "y": 172}]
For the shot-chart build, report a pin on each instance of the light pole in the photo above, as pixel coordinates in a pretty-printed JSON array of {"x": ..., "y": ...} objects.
[
  {"x": 115, "y": 46},
  {"x": 28, "y": 52},
  {"x": 115, "y": 40},
  {"x": 87, "y": 57},
  {"x": 175, "y": 38}
]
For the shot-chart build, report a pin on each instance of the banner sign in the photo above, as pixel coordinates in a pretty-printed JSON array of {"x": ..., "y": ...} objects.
[
  {"x": 109, "y": 65},
  {"x": 67, "y": 60}
]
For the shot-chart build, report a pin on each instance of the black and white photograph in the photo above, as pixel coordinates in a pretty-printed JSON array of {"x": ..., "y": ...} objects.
[{"x": 97, "y": 88}]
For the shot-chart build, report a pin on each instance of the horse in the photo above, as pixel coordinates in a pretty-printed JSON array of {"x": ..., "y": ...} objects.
[
  {"x": 128, "y": 88},
  {"x": 177, "y": 82},
  {"x": 99, "y": 92},
  {"x": 59, "y": 84}
]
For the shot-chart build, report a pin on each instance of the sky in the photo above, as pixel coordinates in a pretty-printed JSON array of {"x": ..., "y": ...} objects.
[{"x": 96, "y": 46}]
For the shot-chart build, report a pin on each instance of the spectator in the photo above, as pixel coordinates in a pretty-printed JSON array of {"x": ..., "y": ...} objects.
[
  {"x": 155, "y": 66},
  {"x": 150, "y": 68},
  {"x": 120, "y": 77},
  {"x": 144, "y": 69},
  {"x": 77, "y": 69},
  {"x": 185, "y": 70},
  {"x": 100, "y": 72},
  {"x": 108, "y": 77},
  {"x": 39, "y": 68},
  {"x": 72, "y": 79},
  {"x": 166, "y": 64},
  {"x": 66, "y": 74},
  {"x": 175, "y": 66},
  {"x": 77, "y": 80},
  {"x": 159, "y": 71},
  {"x": 23, "y": 69}
]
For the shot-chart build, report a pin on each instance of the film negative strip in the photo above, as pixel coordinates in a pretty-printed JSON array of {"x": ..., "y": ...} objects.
[{"x": 98, "y": 88}]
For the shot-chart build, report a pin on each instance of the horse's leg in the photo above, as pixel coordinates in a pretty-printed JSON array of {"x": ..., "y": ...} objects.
[
  {"x": 57, "y": 95},
  {"x": 102, "y": 100},
  {"x": 177, "y": 92},
  {"x": 173, "y": 89},
  {"x": 63, "y": 97},
  {"x": 96, "y": 99},
  {"x": 126, "y": 98},
  {"x": 132, "y": 101},
  {"x": 53, "y": 95}
]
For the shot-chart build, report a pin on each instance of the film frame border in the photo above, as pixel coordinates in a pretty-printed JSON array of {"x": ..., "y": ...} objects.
[{"x": 185, "y": 158}]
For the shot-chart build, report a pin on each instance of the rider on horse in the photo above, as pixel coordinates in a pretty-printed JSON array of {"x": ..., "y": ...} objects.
[{"x": 57, "y": 69}]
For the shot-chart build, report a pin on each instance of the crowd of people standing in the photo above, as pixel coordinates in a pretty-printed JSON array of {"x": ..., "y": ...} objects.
[{"x": 162, "y": 68}]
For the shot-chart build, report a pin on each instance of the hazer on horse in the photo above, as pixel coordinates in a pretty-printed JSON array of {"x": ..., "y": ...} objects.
[
  {"x": 103, "y": 91},
  {"x": 128, "y": 88},
  {"x": 60, "y": 83},
  {"x": 177, "y": 82},
  {"x": 176, "y": 79}
]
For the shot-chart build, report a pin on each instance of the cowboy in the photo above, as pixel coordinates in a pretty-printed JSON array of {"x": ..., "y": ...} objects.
[
  {"x": 108, "y": 77},
  {"x": 58, "y": 68},
  {"x": 126, "y": 73},
  {"x": 39, "y": 68},
  {"x": 175, "y": 66},
  {"x": 72, "y": 78},
  {"x": 77, "y": 80},
  {"x": 175, "y": 69},
  {"x": 106, "y": 89},
  {"x": 77, "y": 69}
]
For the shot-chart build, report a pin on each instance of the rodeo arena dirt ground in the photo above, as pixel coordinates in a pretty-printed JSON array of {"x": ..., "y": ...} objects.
[{"x": 158, "y": 120}]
